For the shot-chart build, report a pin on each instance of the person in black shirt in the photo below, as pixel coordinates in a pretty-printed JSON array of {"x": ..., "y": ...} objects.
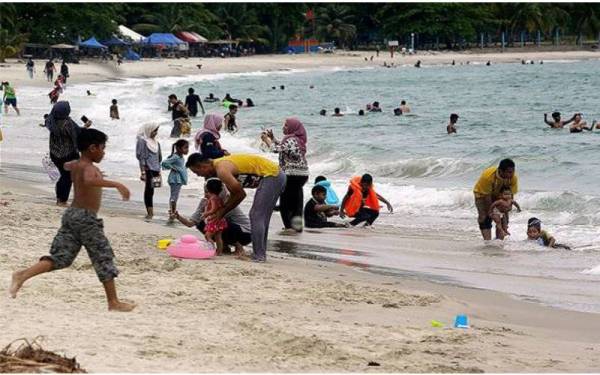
[
  {"x": 64, "y": 71},
  {"x": 192, "y": 101},
  {"x": 316, "y": 210}
]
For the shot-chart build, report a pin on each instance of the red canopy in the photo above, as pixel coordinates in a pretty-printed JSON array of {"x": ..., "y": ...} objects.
[{"x": 189, "y": 37}]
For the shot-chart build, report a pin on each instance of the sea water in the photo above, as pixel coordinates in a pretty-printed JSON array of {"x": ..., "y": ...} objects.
[{"x": 426, "y": 174}]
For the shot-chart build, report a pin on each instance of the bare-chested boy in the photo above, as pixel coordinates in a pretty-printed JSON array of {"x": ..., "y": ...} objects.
[
  {"x": 557, "y": 123},
  {"x": 80, "y": 225}
]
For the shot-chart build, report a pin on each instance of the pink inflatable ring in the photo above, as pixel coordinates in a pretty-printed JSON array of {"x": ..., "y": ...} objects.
[{"x": 190, "y": 247}]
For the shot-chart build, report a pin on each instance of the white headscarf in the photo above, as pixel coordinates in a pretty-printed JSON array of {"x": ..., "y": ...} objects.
[{"x": 145, "y": 132}]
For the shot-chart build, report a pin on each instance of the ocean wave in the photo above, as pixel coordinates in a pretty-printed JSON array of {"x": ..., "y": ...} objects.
[{"x": 423, "y": 167}]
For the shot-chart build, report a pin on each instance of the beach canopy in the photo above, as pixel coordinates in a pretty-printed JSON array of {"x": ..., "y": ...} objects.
[
  {"x": 191, "y": 37},
  {"x": 91, "y": 43},
  {"x": 63, "y": 46},
  {"x": 115, "y": 42},
  {"x": 130, "y": 34},
  {"x": 130, "y": 55},
  {"x": 163, "y": 39},
  {"x": 223, "y": 42}
]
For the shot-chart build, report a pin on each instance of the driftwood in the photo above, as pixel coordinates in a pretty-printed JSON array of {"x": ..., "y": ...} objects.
[{"x": 30, "y": 357}]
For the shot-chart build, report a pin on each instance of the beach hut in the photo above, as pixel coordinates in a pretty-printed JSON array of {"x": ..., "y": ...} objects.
[
  {"x": 115, "y": 42},
  {"x": 195, "y": 41},
  {"x": 131, "y": 55},
  {"x": 131, "y": 35},
  {"x": 92, "y": 43},
  {"x": 160, "y": 42}
]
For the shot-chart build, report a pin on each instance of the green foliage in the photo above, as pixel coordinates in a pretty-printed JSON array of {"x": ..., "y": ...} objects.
[
  {"x": 11, "y": 40},
  {"x": 336, "y": 22},
  {"x": 271, "y": 25}
]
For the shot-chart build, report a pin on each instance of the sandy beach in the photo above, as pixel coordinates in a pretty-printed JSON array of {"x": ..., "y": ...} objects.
[
  {"x": 289, "y": 315},
  {"x": 89, "y": 70}
]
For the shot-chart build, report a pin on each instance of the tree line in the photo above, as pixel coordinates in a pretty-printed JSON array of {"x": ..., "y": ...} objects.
[{"x": 269, "y": 26}]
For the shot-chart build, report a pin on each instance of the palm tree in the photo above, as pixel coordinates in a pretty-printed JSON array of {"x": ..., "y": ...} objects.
[
  {"x": 239, "y": 22},
  {"x": 175, "y": 18},
  {"x": 586, "y": 19},
  {"x": 11, "y": 40},
  {"x": 335, "y": 21}
]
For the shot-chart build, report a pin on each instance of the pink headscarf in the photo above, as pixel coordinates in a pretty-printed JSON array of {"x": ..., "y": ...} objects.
[
  {"x": 211, "y": 124},
  {"x": 295, "y": 129}
]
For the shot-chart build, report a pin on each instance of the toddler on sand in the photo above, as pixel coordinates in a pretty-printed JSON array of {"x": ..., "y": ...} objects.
[
  {"x": 178, "y": 175},
  {"x": 214, "y": 228}
]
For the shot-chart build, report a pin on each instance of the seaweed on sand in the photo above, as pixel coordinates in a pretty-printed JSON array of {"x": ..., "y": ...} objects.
[{"x": 30, "y": 357}]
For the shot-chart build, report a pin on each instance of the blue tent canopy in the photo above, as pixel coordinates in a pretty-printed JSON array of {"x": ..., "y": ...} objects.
[
  {"x": 91, "y": 43},
  {"x": 163, "y": 39},
  {"x": 115, "y": 42},
  {"x": 132, "y": 56}
]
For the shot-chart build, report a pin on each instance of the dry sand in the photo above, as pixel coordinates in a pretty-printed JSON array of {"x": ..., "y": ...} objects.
[
  {"x": 88, "y": 70},
  {"x": 288, "y": 315}
]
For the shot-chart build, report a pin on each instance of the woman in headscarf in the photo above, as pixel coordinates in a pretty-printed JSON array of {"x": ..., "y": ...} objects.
[
  {"x": 292, "y": 160},
  {"x": 149, "y": 155},
  {"x": 63, "y": 146},
  {"x": 207, "y": 139}
]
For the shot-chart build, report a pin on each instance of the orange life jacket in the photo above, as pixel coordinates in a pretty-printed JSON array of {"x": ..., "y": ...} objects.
[{"x": 354, "y": 203}]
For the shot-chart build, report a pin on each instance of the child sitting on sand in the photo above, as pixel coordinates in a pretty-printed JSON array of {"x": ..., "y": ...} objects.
[
  {"x": 214, "y": 228},
  {"x": 331, "y": 197},
  {"x": 316, "y": 211},
  {"x": 500, "y": 207},
  {"x": 543, "y": 238},
  {"x": 361, "y": 202},
  {"x": 80, "y": 225},
  {"x": 114, "y": 110},
  {"x": 177, "y": 175}
]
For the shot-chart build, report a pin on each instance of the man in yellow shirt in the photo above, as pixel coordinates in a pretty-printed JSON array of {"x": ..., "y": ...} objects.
[
  {"x": 241, "y": 171},
  {"x": 488, "y": 189}
]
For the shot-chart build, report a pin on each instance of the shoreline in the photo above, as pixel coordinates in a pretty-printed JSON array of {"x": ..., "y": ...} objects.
[
  {"x": 290, "y": 314},
  {"x": 94, "y": 71}
]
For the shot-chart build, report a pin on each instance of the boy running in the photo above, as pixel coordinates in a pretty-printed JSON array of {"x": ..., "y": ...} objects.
[{"x": 80, "y": 225}]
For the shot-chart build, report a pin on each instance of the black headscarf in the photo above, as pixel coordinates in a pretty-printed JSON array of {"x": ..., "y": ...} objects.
[{"x": 63, "y": 130}]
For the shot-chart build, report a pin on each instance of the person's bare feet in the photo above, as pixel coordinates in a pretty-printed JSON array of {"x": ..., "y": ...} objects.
[
  {"x": 16, "y": 283},
  {"x": 121, "y": 306},
  {"x": 62, "y": 204}
]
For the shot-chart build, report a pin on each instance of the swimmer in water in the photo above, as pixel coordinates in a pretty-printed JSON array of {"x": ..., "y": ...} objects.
[
  {"x": 397, "y": 112},
  {"x": 579, "y": 125},
  {"x": 557, "y": 123},
  {"x": 451, "y": 127},
  {"x": 361, "y": 112},
  {"x": 375, "y": 107},
  {"x": 337, "y": 113},
  {"x": 323, "y": 112},
  {"x": 418, "y": 64},
  {"x": 404, "y": 107},
  {"x": 211, "y": 98},
  {"x": 543, "y": 238}
]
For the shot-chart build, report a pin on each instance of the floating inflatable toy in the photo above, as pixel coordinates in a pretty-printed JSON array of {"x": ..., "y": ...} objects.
[{"x": 190, "y": 247}]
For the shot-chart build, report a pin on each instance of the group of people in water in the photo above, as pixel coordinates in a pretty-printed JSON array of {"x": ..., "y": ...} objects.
[
  {"x": 374, "y": 107},
  {"x": 75, "y": 151}
]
